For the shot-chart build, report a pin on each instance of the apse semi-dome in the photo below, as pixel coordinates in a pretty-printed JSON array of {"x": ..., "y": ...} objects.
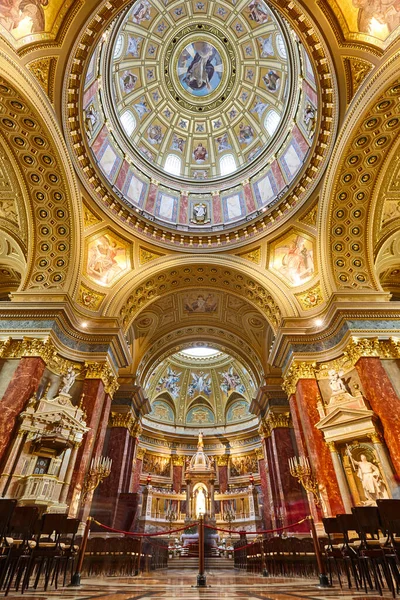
[
  {"x": 188, "y": 393},
  {"x": 200, "y": 115}
]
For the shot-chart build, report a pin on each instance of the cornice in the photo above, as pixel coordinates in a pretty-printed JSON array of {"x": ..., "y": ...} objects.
[
  {"x": 58, "y": 320},
  {"x": 298, "y": 339},
  {"x": 355, "y": 349}
]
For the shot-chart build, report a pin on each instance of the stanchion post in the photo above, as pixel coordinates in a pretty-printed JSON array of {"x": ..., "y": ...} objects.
[
  {"x": 323, "y": 578},
  {"x": 201, "y": 577},
  {"x": 139, "y": 560},
  {"x": 76, "y": 578},
  {"x": 265, "y": 572}
]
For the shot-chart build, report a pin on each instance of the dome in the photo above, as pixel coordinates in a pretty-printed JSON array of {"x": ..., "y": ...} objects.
[
  {"x": 199, "y": 115},
  {"x": 210, "y": 392}
]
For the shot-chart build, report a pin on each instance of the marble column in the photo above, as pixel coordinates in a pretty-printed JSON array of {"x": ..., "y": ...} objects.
[
  {"x": 267, "y": 511},
  {"x": 24, "y": 383},
  {"x": 384, "y": 402},
  {"x": 222, "y": 466},
  {"x": 292, "y": 499},
  {"x": 341, "y": 477},
  {"x": 93, "y": 405},
  {"x": 307, "y": 394},
  {"x": 137, "y": 470},
  {"x": 177, "y": 472}
]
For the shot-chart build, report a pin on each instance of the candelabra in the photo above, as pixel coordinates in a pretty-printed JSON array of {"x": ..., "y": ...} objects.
[
  {"x": 100, "y": 468},
  {"x": 300, "y": 469},
  {"x": 229, "y": 516},
  {"x": 171, "y": 516}
]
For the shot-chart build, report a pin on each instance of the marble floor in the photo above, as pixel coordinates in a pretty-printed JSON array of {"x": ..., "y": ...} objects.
[{"x": 173, "y": 585}]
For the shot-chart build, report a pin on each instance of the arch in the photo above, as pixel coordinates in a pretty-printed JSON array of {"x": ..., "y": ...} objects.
[
  {"x": 227, "y": 273},
  {"x": 200, "y": 401},
  {"x": 227, "y": 164},
  {"x": 49, "y": 182},
  {"x": 173, "y": 164},
  {"x": 128, "y": 121},
  {"x": 271, "y": 121},
  {"x": 350, "y": 188}
]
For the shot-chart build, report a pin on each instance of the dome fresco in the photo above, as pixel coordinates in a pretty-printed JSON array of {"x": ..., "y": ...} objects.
[
  {"x": 200, "y": 114},
  {"x": 199, "y": 392}
]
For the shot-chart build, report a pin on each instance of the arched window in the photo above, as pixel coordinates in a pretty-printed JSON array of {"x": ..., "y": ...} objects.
[
  {"x": 271, "y": 121},
  {"x": 173, "y": 164},
  {"x": 118, "y": 47},
  {"x": 227, "y": 164},
  {"x": 128, "y": 122},
  {"x": 281, "y": 46}
]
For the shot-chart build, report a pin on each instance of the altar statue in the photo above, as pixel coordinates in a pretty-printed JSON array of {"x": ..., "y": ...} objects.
[
  {"x": 200, "y": 502},
  {"x": 200, "y": 443}
]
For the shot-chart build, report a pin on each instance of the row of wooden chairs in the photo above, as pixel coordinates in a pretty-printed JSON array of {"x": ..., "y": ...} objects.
[
  {"x": 123, "y": 556},
  {"x": 278, "y": 556},
  {"x": 364, "y": 546},
  {"x": 43, "y": 547}
]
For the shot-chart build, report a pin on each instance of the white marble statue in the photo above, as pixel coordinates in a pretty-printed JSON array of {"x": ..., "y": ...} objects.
[
  {"x": 68, "y": 381},
  {"x": 370, "y": 477},
  {"x": 336, "y": 382}
]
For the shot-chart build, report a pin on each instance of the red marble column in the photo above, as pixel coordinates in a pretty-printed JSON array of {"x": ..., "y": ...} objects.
[
  {"x": 177, "y": 471},
  {"x": 136, "y": 475},
  {"x": 384, "y": 402},
  {"x": 223, "y": 477},
  {"x": 307, "y": 393},
  {"x": 266, "y": 511},
  {"x": 93, "y": 404},
  {"x": 118, "y": 449},
  {"x": 289, "y": 489},
  {"x": 298, "y": 431},
  {"x": 21, "y": 388},
  {"x": 102, "y": 428}
]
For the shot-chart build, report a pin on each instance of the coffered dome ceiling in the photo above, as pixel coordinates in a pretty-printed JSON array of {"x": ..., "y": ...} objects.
[
  {"x": 201, "y": 115},
  {"x": 201, "y": 388}
]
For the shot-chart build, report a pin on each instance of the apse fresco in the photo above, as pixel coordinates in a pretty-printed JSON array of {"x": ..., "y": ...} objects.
[
  {"x": 107, "y": 259},
  {"x": 243, "y": 465},
  {"x": 373, "y": 22},
  {"x": 292, "y": 258},
  {"x": 231, "y": 382},
  {"x": 161, "y": 411},
  {"x": 170, "y": 382},
  {"x": 23, "y": 19},
  {"x": 237, "y": 411}
]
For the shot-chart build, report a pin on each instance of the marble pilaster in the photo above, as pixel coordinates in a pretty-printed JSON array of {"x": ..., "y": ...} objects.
[
  {"x": 384, "y": 401},
  {"x": 24, "y": 383},
  {"x": 93, "y": 405},
  {"x": 307, "y": 394}
]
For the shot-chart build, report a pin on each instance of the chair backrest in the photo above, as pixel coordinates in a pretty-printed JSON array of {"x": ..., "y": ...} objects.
[
  {"x": 53, "y": 523},
  {"x": 7, "y": 507},
  {"x": 23, "y": 520},
  {"x": 368, "y": 521},
  {"x": 347, "y": 522},
  {"x": 331, "y": 525},
  {"x": 389, "y": 511}
]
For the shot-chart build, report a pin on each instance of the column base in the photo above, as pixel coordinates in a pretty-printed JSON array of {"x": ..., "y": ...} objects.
[{"x": 323, "y": 581}]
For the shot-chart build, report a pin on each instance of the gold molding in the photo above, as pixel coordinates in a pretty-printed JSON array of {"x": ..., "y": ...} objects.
[
  {"x": 298, "y": 371},
  {"x": 34, "y": 347}
]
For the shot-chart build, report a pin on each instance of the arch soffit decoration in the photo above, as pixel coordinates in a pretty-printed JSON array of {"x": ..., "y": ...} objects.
[
  {"x": 180, "y": 338},
  {"x": 350, "y": 185},
  {"x": 227, "y": 273},
  {"x": 33, "y": 136},
  {"x": 308, "y": 32}
]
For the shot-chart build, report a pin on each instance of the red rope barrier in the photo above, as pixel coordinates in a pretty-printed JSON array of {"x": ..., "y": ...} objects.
[
  {"x": 137, "y": 534},
  {"x": 257, "y": 532}
]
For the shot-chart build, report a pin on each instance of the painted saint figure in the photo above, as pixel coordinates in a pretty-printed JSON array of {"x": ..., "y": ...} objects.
[{"x": 200, "y": 70}]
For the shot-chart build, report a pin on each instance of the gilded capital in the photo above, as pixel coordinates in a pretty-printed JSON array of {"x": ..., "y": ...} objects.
[
  {"x": 140, "y": 453},
  {"x": 178, "y": 461},
  {"x": 259, "y": 453},
  {"x": 104, "y": 372},
  {"x": 298, "y": 371},
  {"x": 331, "y": 446},
  {"x": 222, "y": 461},
  {"x": 375, "y": 437},
  {"x": 358, "y": 348},
  {"x": 127, "y": 421}
]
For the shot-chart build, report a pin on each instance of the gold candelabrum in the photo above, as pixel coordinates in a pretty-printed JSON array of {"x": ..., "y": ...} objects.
[
  {"x": 300, "y": 469},
  {"x": 100, "y": 468}
]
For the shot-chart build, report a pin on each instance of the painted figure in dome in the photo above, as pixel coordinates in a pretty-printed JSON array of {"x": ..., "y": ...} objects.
[
  {"x": 258, "y": 11},
  {"x": 380, "y": 12},
  {"x": 272, "y": 81},
  {"x": 200, "y": 70}
]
